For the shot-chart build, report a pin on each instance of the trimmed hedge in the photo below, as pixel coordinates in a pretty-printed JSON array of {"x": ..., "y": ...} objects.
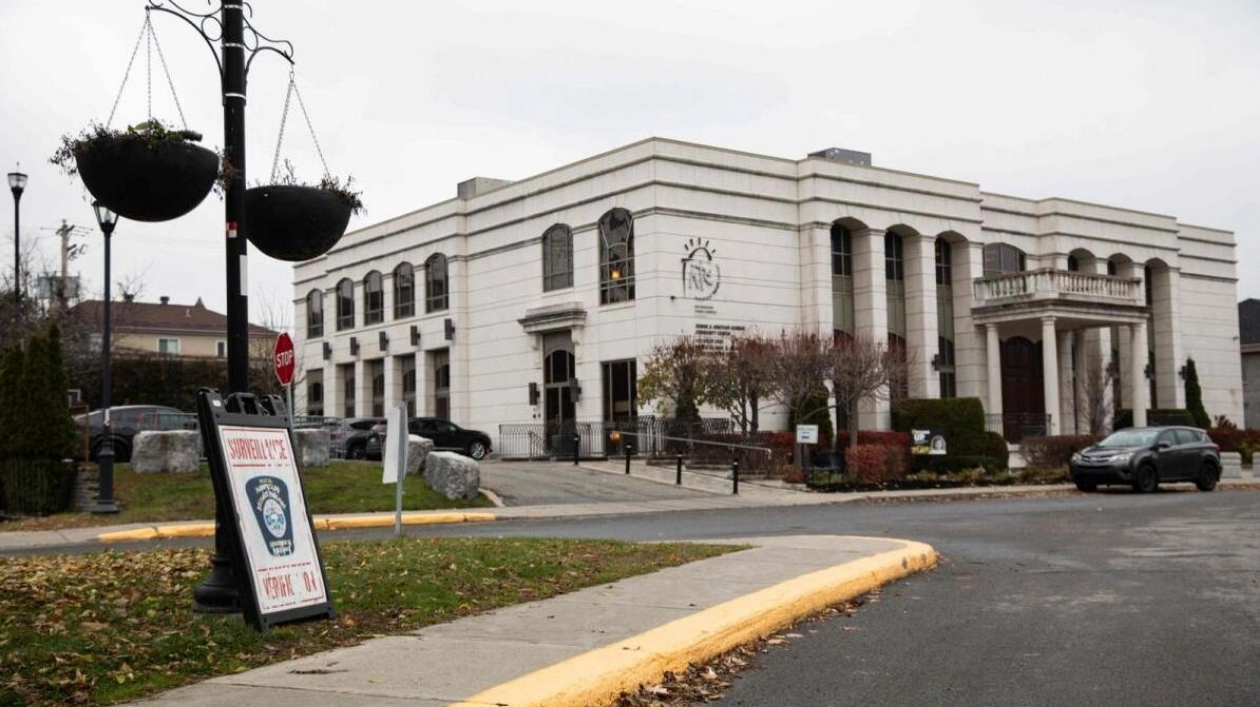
[
  {"x": 954, "y": 463},
  {"x": 962, "y": 420},
  {"x": 866, "y": 463},
  {"x": 1053, "y": 452}
]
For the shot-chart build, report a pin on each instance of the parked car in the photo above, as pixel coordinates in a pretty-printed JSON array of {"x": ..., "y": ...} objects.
[
  {"x": 446, "y": 436},
  {"x": 348, "y": 438},
  {"x": 126, "y": 421},
  {"x": 1143, "y": 457}
]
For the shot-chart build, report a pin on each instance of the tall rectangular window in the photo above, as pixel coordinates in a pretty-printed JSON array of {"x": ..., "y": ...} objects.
[
  {"x": 315, "y": 393},
  {"x": 945, "y": 319},
  {"x": 348, "y": 388},
  {"x": 220, "y": 349},
  {"x": 620, "y": 379},
  {"x": 842, "y": 301},
  {"x": 440, "y": 364},
  {"x": 407, "y": 369},
  {"x": 376, "y": 370}
]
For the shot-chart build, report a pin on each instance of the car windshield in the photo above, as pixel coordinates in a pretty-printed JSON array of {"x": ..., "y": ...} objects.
[{"x": 1130, "y": 438}]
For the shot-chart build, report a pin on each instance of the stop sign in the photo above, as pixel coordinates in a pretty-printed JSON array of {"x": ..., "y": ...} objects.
[{"x": 285, "y": 360}]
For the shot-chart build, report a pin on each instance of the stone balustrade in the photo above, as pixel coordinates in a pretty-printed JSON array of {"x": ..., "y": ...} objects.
[{"x": 1057, "y": 284}]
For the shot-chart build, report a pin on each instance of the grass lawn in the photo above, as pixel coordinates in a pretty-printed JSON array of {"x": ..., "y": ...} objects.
[
  {"x": 340, "y": 487},
  {"x": 110, "y": 627}
]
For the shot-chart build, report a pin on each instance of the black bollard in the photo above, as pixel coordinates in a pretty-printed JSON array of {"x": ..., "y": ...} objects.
[
  {"x": 735, "y": 477},
  {"x": 678, "y": 472},
  {"x": 629, "y": 450},
  {"x": 577, "y": 443}
]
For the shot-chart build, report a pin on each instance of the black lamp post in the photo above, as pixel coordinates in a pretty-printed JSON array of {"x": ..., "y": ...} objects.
[
  {"x": 220, "y": 592},
  {"x": 105, "y": 457},
  {"x": 17, "y": 185}
]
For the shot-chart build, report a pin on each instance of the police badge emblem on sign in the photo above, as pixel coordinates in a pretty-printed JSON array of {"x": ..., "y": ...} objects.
[{"x": 269, "y": 498}]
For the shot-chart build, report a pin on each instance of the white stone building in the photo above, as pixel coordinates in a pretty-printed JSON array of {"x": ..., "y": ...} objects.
[{"x": 488, "y": 307}]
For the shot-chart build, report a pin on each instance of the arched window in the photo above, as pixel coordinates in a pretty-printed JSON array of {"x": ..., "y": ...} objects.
[
  {"x": 557, "y": 244},
  {"x": 436, "y": 291},
  {"x": 404, "y": 291},
  {"x": 345, "y": 304},
  {"x": 315, "y": 314},
  {"x": 1003, "y": 258},
  {"x": 616, "y": 261},
  {"x": 1074, "y": 264},
  {"x": 373, "y": 299},
  {"x": 842, "y": 303}
]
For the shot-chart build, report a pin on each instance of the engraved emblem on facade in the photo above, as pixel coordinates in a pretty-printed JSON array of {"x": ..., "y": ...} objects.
[{"x": 700, "y": 273}]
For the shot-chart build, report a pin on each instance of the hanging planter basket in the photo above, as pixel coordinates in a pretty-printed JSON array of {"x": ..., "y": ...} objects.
[
  {"x": 144, "y": 177},
  {"x": 294, "y": 222}
]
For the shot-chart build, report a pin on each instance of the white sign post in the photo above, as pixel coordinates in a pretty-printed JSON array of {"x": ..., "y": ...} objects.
[{"x": 394, "y": 454}]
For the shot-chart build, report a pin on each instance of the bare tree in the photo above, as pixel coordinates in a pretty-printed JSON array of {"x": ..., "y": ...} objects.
[
  {"x": 673, "y": 376},
  {"x": 739, "y": 378},
  {"x": 799, "y": 369},
  {"x": 1094, "y": 401},
  {"x": 861, "y": 368}
]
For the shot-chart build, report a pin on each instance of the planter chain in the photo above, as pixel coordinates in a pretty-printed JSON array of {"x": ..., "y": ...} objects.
[
  {"x": 284, "y": 118},
  {"x": 146, "y": 31}
]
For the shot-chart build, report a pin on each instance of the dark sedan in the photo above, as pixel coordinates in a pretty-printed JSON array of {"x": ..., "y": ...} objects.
[
  {"x": 128, "y": 420},
  {"x": 446, "y": 436},
  {"x": 1143, "y": 457}
]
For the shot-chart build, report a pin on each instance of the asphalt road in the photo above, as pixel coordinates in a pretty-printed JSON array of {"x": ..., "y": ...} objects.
[{"x": 1101, "y": 599}]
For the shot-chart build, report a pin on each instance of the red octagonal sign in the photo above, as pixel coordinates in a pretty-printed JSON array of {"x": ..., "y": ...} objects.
[{"x": 284, "y": 359}]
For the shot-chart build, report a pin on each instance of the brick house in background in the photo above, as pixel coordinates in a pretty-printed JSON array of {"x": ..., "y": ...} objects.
[{"x": 185, "y": 330}]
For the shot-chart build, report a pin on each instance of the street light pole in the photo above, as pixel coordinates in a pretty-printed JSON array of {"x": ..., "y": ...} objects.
[
  {"x": 105, "y": 457},
  {"x": 220, "y": 592},
  {"x": 17, "y": 185}
]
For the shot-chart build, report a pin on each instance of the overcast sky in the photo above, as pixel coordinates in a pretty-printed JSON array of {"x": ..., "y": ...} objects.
[{"x": 1147, "y": 104}]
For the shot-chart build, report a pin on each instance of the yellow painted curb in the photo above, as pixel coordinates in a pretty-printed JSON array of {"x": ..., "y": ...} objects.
[
  {"x": 201, "y": 530},
  {"x": 384, "y": 521},
  {"x": 123, "y": 536},
  {"x": 599, "y": 676}
]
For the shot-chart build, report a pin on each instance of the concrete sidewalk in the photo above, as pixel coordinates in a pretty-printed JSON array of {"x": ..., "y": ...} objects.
[{"x": 586, "y": 647}]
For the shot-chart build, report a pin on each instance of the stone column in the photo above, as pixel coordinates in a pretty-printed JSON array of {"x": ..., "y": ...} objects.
[
  {"x": 1166, "y": 323},
  {"x": 969, "y": 345},
  {"x": 921, "y": 324},
  {"x": 1084, "y": 341},
  {"x": 1050, "y": 371},
  {"x": 1127, "y": 382},
  {"x": 994, "y": 361},
  {"x": 1137, "y": 372},
  {"x": 1067, "y": 383},
  {"x": 870, "y": 294},
  {"x": 814, "y": 251}
]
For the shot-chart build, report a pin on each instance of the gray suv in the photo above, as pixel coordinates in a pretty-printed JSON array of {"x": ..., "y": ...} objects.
[{"x": 1143, "y": 457}]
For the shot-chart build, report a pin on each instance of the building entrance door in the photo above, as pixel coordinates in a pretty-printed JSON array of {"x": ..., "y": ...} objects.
[
  {"x": 559, "y": 410},
  {"x": 1023, "y": 389}
]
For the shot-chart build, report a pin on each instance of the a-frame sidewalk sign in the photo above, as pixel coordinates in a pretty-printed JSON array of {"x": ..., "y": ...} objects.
[{"x": 273, "y": 545}]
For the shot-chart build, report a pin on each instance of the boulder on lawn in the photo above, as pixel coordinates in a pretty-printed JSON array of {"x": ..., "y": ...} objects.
[
  {"x": 312, "y": 447},
  {"x": 452, "y": 475},
  {"x": 174, "y": 451},
  {"x": 418, "y": 450}
]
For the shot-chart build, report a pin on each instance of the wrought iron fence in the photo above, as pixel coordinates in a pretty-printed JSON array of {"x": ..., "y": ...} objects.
[
  {"x": 1015, "y": 426},
  {"x": 600, "y": 439},
  {"x": 709, "y": 441}
]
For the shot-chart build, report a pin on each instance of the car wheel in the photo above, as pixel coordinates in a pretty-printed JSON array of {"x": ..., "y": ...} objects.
[
  {"x": 1208, "y": 476},
  {"x": 477, "y": 451},
  {"x": 358, "y": 451},
  {"x": 122, "y": 451},
  {"x": 1086, "y": 486},
  {"x": 1145, "y": 480}
]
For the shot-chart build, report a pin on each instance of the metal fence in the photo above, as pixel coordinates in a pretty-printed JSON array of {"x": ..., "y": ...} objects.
[
  {"x": 706, "y": 442},
  {"x": 1015, "y": 426}
]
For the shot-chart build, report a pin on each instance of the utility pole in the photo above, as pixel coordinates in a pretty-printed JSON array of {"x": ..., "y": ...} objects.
[{"x": 63, "y": 305}]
